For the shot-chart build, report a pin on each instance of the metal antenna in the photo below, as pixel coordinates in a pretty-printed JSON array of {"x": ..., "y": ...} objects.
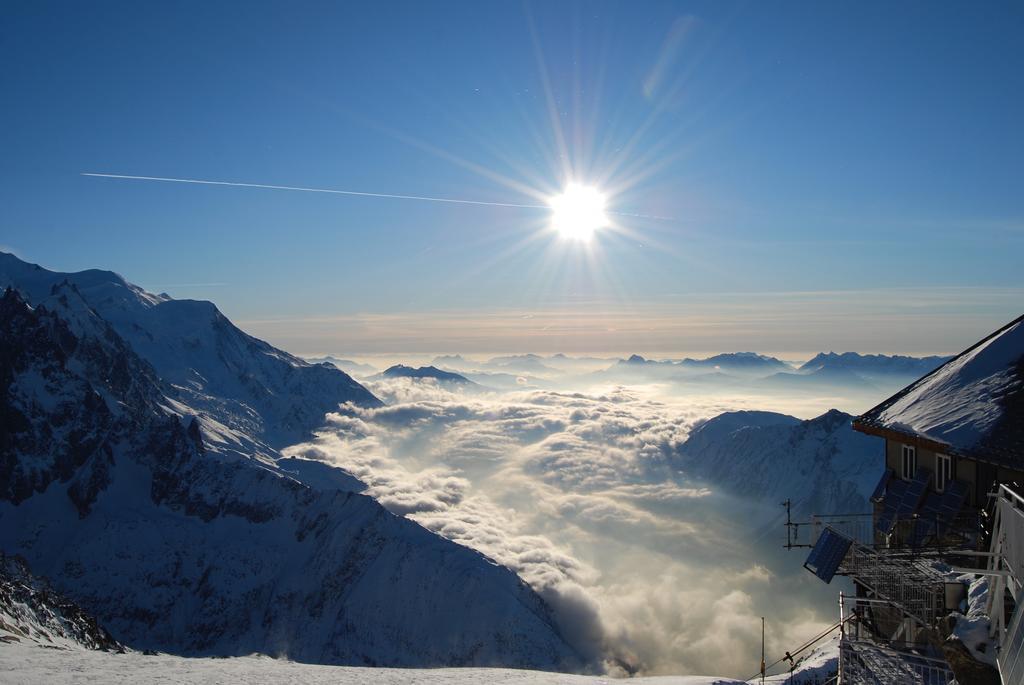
[
  {"x": 793, "y": 528},
  {"x": 762, "y": 650}
]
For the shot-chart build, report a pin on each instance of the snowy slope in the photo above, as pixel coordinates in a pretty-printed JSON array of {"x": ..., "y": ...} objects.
[
  {"x": 114, "y": 494},
  {"x": 249, "y": 391},
  {"x": 821, "y": 464},
  {"x": 27, "y": 665},
  {"x": 232, "y": 560},
  {"x": 817, "y": 666}
]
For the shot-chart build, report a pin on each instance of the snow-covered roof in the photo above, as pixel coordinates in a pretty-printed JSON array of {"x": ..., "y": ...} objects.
[{"x": 972, "y": 406}]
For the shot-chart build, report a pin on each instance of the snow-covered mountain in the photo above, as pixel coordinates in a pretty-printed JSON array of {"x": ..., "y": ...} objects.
[
  {"x": 821, "y": 464},
  {"x": 117, "y": 489},
  {"x": 254, "y": 397},
  {"x": 31, "y": 612}
]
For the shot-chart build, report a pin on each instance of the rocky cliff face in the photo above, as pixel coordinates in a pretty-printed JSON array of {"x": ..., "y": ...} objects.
[
  {"x": 138, "y": 507},
  {"x": 32, "y": 612},
  {"x": 73, "y": 394}
]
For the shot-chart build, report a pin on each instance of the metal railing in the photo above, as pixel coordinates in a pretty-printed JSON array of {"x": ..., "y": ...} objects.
[
  {"x": 911, "y": 532},
  {"x": 1009, "y": 537},
  {"x": 1010, "y": 657},
  {"x": 1006, "y": 566},
  {"x": 917, "y": 590}
]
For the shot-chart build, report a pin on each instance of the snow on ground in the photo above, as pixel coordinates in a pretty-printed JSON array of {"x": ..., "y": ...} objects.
[
  {"x": 815, "y": 667},
  {"x": 972, "y": 626},
  {"x": 22, "y": 664}
]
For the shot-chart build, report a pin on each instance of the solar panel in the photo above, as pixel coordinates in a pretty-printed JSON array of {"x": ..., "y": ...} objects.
[
  {"x": 927, "y": 521},
  {"x": 890, "y": 505},
  {"x": 952, "y": 501},
  {"x": 879, "y": 492},
  {"x": 828, "y": 552},
  {"x": 914, "y": 493},
  {"x": 938, "y": 512}
]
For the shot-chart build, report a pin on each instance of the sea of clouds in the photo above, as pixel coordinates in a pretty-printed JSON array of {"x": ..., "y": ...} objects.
[{"x": 582, "y": 494}]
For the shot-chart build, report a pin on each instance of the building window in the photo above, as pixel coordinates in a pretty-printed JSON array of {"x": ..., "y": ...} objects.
[
  {"x": 943, "y": 471},
  {"x": 909, "y": 462}
]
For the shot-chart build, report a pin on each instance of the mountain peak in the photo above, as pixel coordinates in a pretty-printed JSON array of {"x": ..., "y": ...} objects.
[{"x": 403, "y": 371}]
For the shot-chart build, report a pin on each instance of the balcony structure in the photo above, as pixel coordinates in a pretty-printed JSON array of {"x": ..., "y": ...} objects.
[
  {"x": 946, "y": 509},
  {"x": 895, "y": 628}
]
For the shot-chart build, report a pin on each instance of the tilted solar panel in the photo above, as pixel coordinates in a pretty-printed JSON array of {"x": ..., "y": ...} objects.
[
  {"x": 914, "y": 493},
  {"x": 928, "y": 520},
  {"x": 929, "y": 509},
  {"x": 828, "y": 552},
  {"x": 890, "y": 505},
  {"x": 952, "y": 501},
  {"x": 879, "y": 492},
  {"x": 936, "y": 514}
]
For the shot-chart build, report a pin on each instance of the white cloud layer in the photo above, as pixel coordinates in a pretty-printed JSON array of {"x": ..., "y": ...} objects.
[{"x": 578, "y": 494}]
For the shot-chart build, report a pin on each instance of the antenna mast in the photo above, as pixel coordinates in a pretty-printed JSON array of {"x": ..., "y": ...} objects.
[
  {"x": 762, "y": 650},
  {"x": 792, "y": 528}
]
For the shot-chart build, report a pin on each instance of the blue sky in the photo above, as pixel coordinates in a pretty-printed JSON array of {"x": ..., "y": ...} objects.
[{"x": 834, "y": 175}]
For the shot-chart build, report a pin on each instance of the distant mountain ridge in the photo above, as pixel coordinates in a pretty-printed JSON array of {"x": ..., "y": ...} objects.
[
  {"x": 874, "y": 363},
  {"x": 733, "y": 360},
  {"x": 750, "y": 371},
  {"x": 739, "y": 360}
]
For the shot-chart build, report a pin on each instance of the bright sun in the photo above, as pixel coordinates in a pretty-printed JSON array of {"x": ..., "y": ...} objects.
[{"x": 578, "y": 212}]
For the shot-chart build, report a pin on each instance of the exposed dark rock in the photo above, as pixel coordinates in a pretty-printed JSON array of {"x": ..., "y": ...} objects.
[{"x": 42, "y": 614}]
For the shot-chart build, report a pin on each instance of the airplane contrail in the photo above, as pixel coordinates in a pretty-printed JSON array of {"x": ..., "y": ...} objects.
[
  {"x": 315, "y": 190},
  {"x": 333, "y": 191}
]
